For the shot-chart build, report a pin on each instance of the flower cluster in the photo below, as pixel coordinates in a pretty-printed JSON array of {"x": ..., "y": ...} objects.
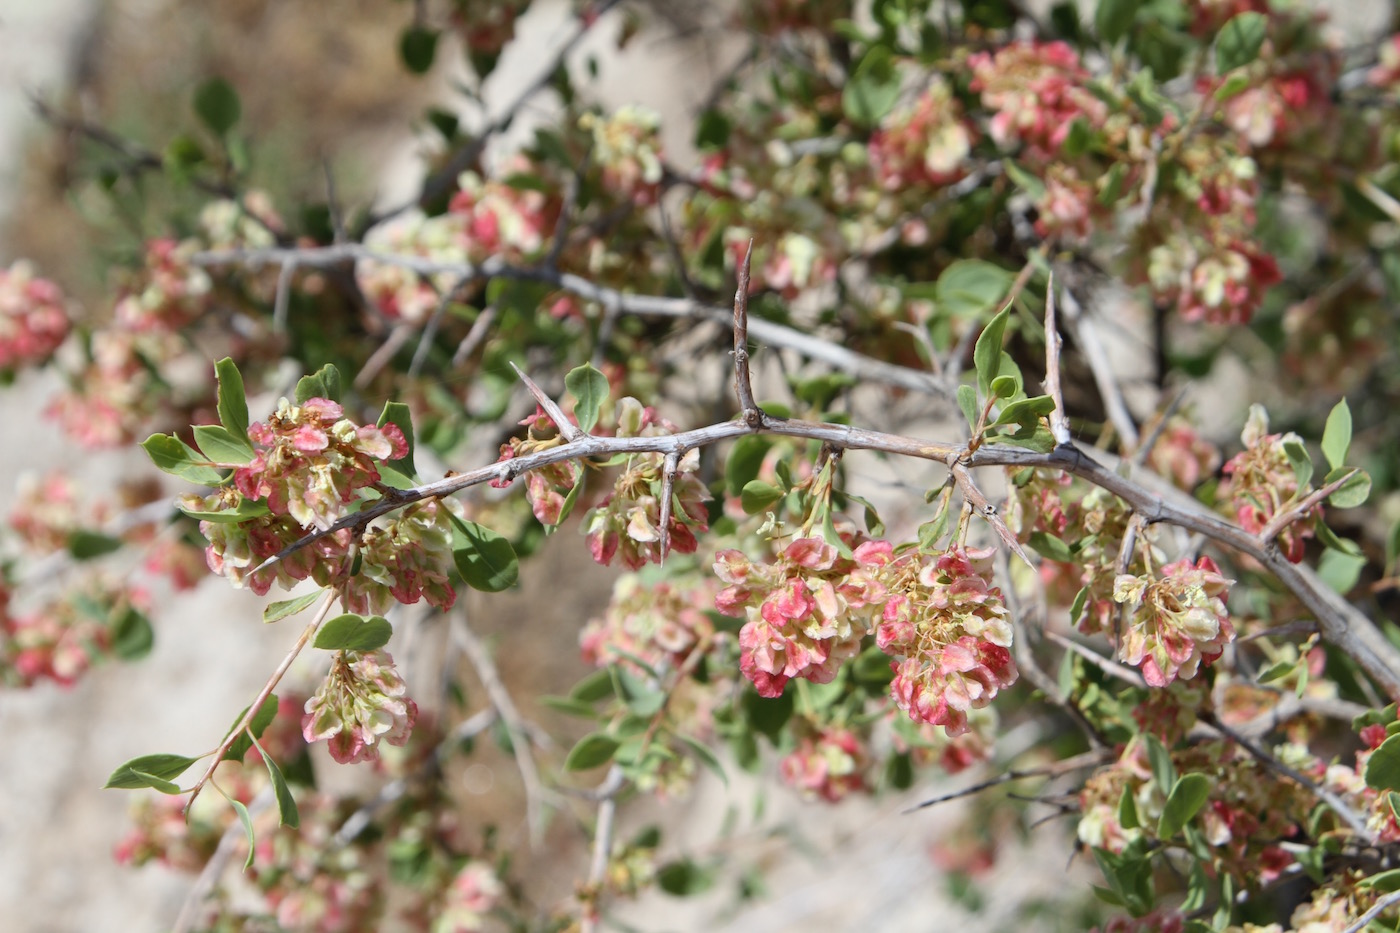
[
  {"x": 1222, "y": 281},
  {"x": 1261, "y": 483},
  {"x": 310, "y": 459},
  {"x": 1036, "y": 91},
  {"x": 60, "y": 641},
  {"x": 402, "y": 560},
  {"x": 169, "y": 293},
  {"x": 927, "y": 144},
  {"x": 237, "y": 549},
  {"x": 1176, "y": 619},
  {"x": 660, "y": 623},
  {"x": 807, "y": 611},
  {"x": 48, "y": 512},
  {"x": 547, "y": 488},
  {"x": 485, "y": 219},
  {"x": 33, "y": 318},
  {"x": 627, "y": 523},
  {"x": 627, "y": 146},
  {"x": 952, "y": 632},
  {"x": 360, "y": 704},
  {"x": 828, "y": 764},
  {"x": 474, "y": 892},
  {"x": 1182, "y": 455}
]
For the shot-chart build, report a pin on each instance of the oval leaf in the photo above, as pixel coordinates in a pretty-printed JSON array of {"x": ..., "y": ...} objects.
[
  {"x": 85, "y": 545},
  {"x": 418, "y": 48},
  {"x": 758, "y": 496},
  {"x": 282, "y": 609},
  {"x": 1336, "y": 437},
  {"x": 589, "y": 388},
  {"x": 1239, "y": 41},
  {"x": 1188, "y": 795},
  {"x": 1383, "y": 767},
  {"x": 986, "y": 355},
  {"x": 352, "y": 632},
  {"x": 1355, "y": 491},
  {"x": 176, "y": 457},
  {"x": 216, "y": 103},
  {"x": 591, "y": 751},
  {"x": 745, "y": 460},
  {"x": 233, "y": 401},
  {"x": 138, "y": 772},
  {"x": 261, "y": 720},
  {"x": 222, "y": 446},
  {"x": 485, "y": 559}
]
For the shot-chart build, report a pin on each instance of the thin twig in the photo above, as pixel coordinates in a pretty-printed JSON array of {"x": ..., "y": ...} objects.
[
  {"x": 743, "y": 383},
  {"x": 864, "y": 368},
  {"x": 602, "y": 841},
  {"x": 1112, "y": 668},
  {"x": 984, "y": 507},
  {"x": 480, "y": 327},
  {"x": 514, "y": 723},
  {"x": 283, "y": 299},
  {"x": 266, "y": 692},
  {"x": 1333, "y": 802},
  {"x": 1144, "y": 449},
  {"x": 1059, "y": 421},
  {"x": 1378, "y": 908},
  {"x": 567, "y": 429},
  {"x": 668, "y": 488},
  {"x": 383, "y": 354},
  {"x": 1087, "y": 336},
  {"x": 223, "y": 853},
  {"x": 1300, "y": 508},
  {"x": 425, "y": 342},
  {"x": 1074, "y": 763}
]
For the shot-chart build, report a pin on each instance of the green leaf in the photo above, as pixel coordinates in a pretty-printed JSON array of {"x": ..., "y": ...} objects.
[
  {"x": 1111, "y": 187},
  {"x": 132, "y": 636},
  {"x": 174, "y": 456},
  {"x": 1026, "y": 411},
  {"x": 768, "y": 715},
  {"x": 745, "y": 460},
  {"x": 216, "y": 103},
  {"x": 969, "y": 287},
  {"x": 1113, "y": 19},
  {"x": 684, "y": 877},
  {"x": 594, "y": 687},
  {"x": 1329, "y": 537},
  {"x": 247, "y": 822},
  {"x": 872, "y": 666},
  {"x": 1351, "y": 493},
  {"x": 1188, "y": 795},
  {"x": 85, "y": 545},
  {"x": 986, "y": 355},
  {"x": 138, "y": 772},
  {"x": 286, "y": 804},
  {"x": 967, "y": 401},
  {"x": 1232, "y": 86},
  {"x": 590, "y": 390},
  {"x": 397, "y": 413},
  {"x": 1300, "y": 460},
  {"x": 1004, "y": 386},
  {"x": 221, "y": 446},
  {"x": 1277, "y": 671},
  {"x": 418, "y": 48},
  {"x": 261, "y": 720},
  {"x": 484, "y": 558},
  {"x": 873, "y": 90},
  {"x": 706, "y": 757},
  {"x": 1239, "y": 41},
  {"x": 350, "y": 632},
  {"x": 1383, "y": 767},
  {"x": 592, "y": 750},
  {"x": 1160, "y": 760},
  {"x": 247, "y": 508},
  {"x": 1340, "y": 570},
  {"x": 1384, "y": 882},
  {"x": 1050, "y": 547},
  {"x": 756, "y": 496},
  {"x": 282, "y": 609},
  {"x": 1029, "y": 183},
  {"x": 233, "y": 401},
  {"x": 1076, "y": 611},
  {"x": 324, "y": 383},
  {"x": 569, "y": 707},
  {"x": 1336, "y": 437},
  {"x": 1127, "y": 810}
]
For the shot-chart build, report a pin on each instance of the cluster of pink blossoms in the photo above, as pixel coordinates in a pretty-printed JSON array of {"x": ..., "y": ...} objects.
[
  {"x": 1262, "y": 483},
  {"x": 828, "y": 765},
  {"x": 1177, "y": 619},
  {"x": 627, "y": 146},
  {"x": 1036, "y": 90},
  {"x": 61, "y": 640},
  {"x": 470, "y": 898},
  {"x": 661, "y": 624},
  {"x": 548, "y": 487},
  {"x": 927, "y": 144},
  {"x": 48, "y": 512},
  {"x": 627, "y": 523},
  {"x": 310, "y": 459},
  {"x": 807, "y": 611},
  {"x": 33, "y": 318},
  {"x": 1182, "y": 455},
  {"x": 485, "y": 219},
  {"x": 952, "y": 631},
  {"x": 360, "y": 704},
  {"x": 402, "y": 559}
]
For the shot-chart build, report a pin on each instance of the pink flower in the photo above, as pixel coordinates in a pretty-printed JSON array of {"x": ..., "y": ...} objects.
[
  {"x": 828, "y": 766},
  {"x": 359, "y": 704},
  {"x": 1176, "y": 619},
  {"x": 33, "y": 317},
  {"x": 940, "y": 685},
  {"x": 927, "y": 144},
  {"x": 1036, "y": 90}
]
